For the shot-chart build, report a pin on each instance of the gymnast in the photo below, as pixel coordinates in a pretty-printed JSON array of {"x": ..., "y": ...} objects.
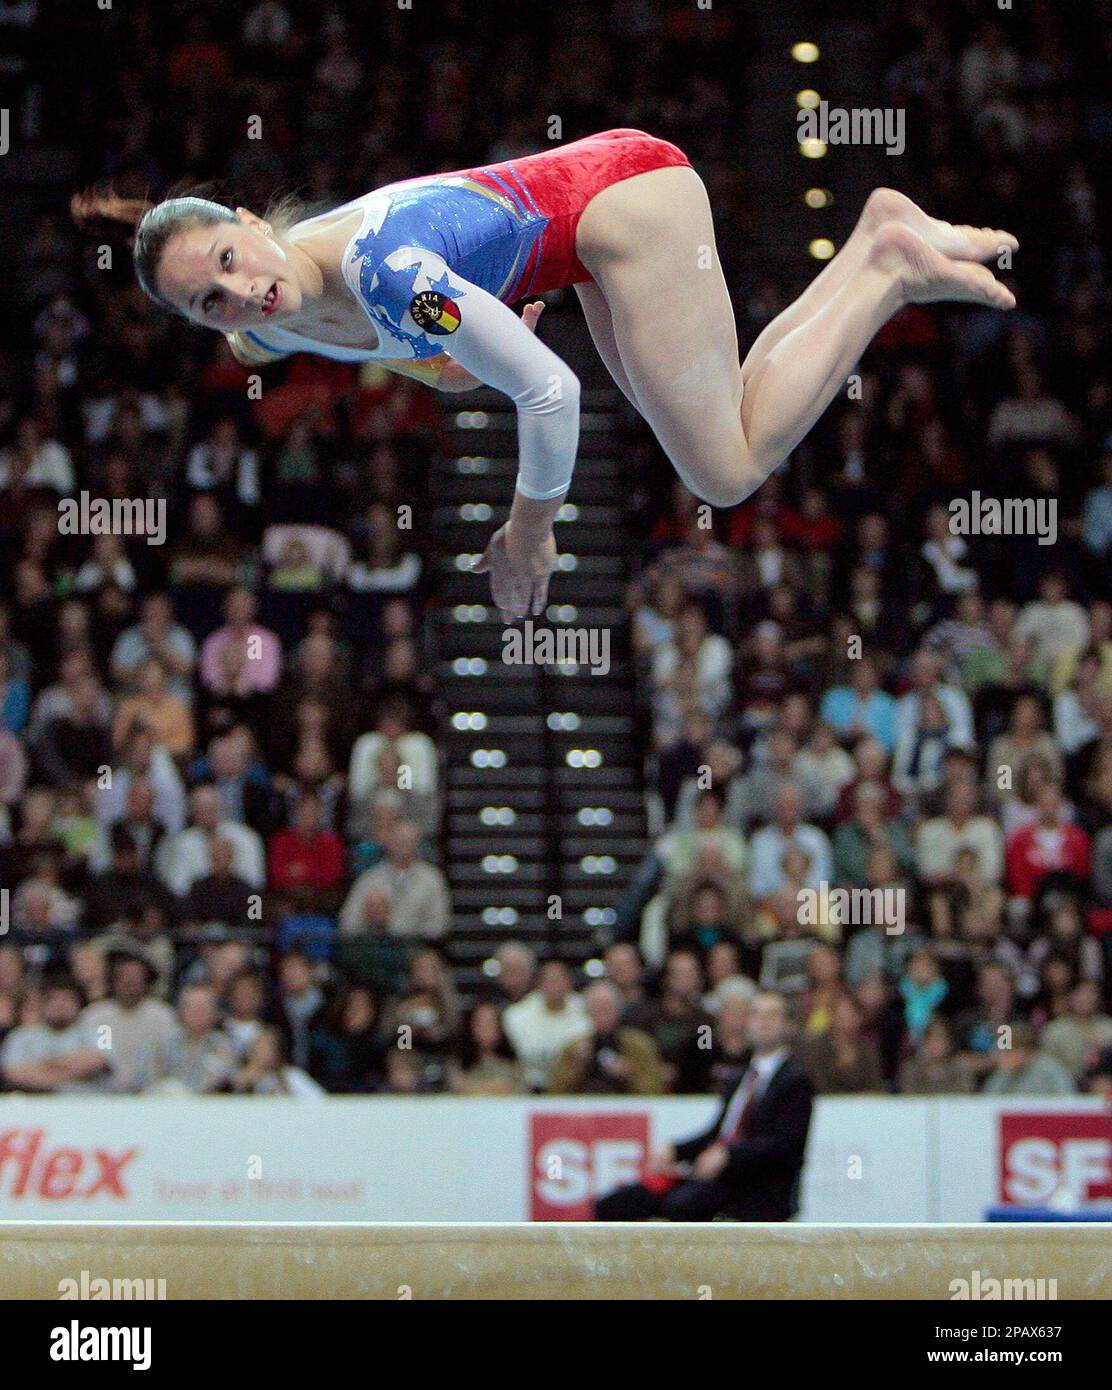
[{"x": 419, "y": 276}]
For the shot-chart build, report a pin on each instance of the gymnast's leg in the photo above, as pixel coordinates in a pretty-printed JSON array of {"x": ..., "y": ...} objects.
[
  {"x": 959, "y": 243},
  {"x": 646, "y": 242},
  {"x": 597, "y": 313}
]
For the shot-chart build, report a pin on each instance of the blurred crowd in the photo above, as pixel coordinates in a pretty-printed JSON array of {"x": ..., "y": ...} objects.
[
  {"x": 220, "y": 791},
  {"x": 853, "y": 702}
]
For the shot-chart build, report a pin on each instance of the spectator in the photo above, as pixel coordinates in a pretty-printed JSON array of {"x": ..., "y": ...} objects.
[
  {"x": 397, "y": 757},
  {"x": 426, "y": 1015},
  {"x": 417, "y": 892},
  {"x": 1048, "y": 845},
  {"x": 266, "y": 1071},
  {"x": 542, "y": 1024},
  {"x": 58, "y": 1054},
  {"x": 130, "y": 1024},
  {"x": 926, "y": 682},
  {"x": 719, "y": 1066},
  {"x": 626, "y": 972},
  {"x": 156, "y": 637},
  {"x": 856, "y": 840},
  {"x": 242, "y": 658},
  {"x": 245, "y": 1005},
  {"x": 307, "y": 860},
  {"x": 74, "y": 745},
  {"x": 484, "y": 1063},
  {"x": 675, "y": 1017},
  {"x": 933, "y": 1069},
  {"x": 517, "y": 971},
  {"x": 15, "y": 695},
  {"x": 1010, "y": 754},
  {"x": 941, "y": 838},
  {"x": 611, "y": 1059},
  {"x": 156, "y": 708},
  {"x": 840, "y": 1060},
  {"x": 861, "y": 707},
  {"x": 766, "y": 866},
  {"x": 198, "y": 1058},
  {"x": 358, "y": 1062},
  {"x": 1077, "y": 1038},
  {"x": 692, "y": 670},
  {"x": 1021, "y": 1069},
  {"x": 1053, "y": 622},
  {"x": 186, "y": 857},
  {"x": 220, "y": 896}
]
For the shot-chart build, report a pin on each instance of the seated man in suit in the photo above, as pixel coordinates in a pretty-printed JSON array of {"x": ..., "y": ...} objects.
[{"x": 747, "y": 1164}]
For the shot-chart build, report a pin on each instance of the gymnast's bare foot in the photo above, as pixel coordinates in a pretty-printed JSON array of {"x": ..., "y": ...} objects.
[
  {"x": 924, "y": 275},
  {"x": 958, "y": 243}
]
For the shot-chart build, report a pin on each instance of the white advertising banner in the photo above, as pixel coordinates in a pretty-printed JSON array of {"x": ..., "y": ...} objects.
[{"x": 446, "y": 1159}]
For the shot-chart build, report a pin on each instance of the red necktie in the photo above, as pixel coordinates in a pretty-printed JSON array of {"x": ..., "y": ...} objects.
[{"x": 749, "y": 1091}]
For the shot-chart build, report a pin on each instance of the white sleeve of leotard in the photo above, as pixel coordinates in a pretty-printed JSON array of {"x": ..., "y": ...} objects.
[{"x": 437, "y": 309}]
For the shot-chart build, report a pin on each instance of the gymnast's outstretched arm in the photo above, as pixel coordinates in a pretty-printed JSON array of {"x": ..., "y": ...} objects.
[{"x": 419, "y": 294}]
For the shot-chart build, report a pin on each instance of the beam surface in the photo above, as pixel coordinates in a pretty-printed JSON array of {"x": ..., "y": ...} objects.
[{"x": 232, "y": 1260}]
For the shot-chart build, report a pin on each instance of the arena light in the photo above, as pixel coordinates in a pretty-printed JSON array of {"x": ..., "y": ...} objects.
[
  {"x": 594, "y": 968},
  {"x": 812, "y": 148},
  {"x": 499, "y": 864},
  {"x": 469, "y": 613},
  {"x": 468, "y": 719},
  {"x": 805, "y": 52},
  {"x": 822, "y": 248},
  {"x": 818, "y": 198},
  {"x": 598, "y": 864},
  {"x": 808, "y": 99},
  {"x": 488, "y": 757}
]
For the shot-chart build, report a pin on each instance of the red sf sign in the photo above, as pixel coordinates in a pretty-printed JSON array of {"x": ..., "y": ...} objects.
[
  {"x": 1042, "y": 1155},
  {"x": 578, "y": 1157}
]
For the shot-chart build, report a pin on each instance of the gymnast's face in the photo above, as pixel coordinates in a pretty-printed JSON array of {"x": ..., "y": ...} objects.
[{"x": 229, "y": 275}]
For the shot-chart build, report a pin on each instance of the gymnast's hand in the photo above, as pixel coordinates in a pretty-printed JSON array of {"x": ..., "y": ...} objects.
[{"x": 520, "y": 564}]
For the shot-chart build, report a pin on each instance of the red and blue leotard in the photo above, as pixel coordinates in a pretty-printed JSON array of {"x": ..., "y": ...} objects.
[{"x": 436, "y": 260}]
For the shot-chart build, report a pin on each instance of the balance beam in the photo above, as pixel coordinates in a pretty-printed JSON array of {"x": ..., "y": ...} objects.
[{"x": 557, "y": 1260}]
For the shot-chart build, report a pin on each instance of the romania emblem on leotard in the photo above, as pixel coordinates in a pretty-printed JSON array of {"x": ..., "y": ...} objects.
[{"x": 434, "y": 312}]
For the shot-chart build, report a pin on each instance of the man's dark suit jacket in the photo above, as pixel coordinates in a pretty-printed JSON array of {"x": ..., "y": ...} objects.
[{"x": 765, "y": 1162}]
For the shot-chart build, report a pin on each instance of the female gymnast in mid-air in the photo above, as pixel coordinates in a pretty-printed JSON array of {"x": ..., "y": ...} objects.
[{"x": 419, "y": 276}]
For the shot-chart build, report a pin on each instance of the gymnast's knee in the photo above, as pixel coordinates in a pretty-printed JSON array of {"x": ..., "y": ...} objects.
[{"x": 728, "y": 490}]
